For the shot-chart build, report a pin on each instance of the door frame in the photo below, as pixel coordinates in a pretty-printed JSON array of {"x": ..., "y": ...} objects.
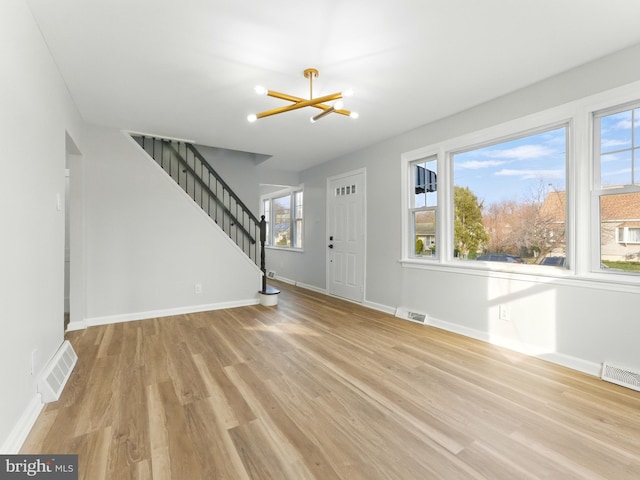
[{"x": 329, "y": 195}]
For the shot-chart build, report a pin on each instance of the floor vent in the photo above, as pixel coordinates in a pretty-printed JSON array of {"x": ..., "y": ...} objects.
[
  {"x": 621, "y": 376},
  {"x": 411, "y": 316},
  {"x": 57, "y": 372}
]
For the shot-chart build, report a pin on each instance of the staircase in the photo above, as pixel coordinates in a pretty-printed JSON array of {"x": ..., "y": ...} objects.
[{"x": 189, "y": 169}]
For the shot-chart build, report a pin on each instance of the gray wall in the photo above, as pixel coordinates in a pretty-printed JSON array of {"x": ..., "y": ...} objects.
[
  {"x": 35, "y": 113},
  {"x": 573, "y": 325},
  {"x": 148, "y": 243}
]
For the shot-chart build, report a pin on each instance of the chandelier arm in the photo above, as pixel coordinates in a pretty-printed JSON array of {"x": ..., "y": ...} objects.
[
  {"x": 291, "y": 98},
  {"x": 302, "y": 104}
]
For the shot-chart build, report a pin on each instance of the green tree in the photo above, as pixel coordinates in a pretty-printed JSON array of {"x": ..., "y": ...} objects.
[{"x": 468, "y": 230}]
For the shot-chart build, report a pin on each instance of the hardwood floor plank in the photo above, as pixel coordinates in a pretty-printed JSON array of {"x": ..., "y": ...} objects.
[{"x": 321, "y": 388}]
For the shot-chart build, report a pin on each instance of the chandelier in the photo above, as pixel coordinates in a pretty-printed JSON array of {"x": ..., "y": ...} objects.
[{"x": 319, "y": 103}]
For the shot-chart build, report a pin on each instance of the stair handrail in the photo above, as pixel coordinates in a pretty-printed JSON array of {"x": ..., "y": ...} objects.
[
  {"x": 224, "y": 184},
  {"x": 202, "y": 184}
]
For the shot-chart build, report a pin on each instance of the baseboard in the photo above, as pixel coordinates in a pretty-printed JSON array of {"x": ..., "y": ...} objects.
[
  {"x": 380, "y": 307},
  {"x": 18, "y": 435},
  {"x": 568, "y": 361},
  {"x": 132, "y": 317},
  {"x": 311, "y": 287},
  {"x": 73, "y": 326}
]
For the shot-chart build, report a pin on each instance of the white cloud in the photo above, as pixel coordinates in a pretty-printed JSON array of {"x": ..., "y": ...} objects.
[
  {"x": 614, "y": 143},
  {"x": 523, "y": 152},
  {"x": 478, "y": 164},
  {"x": 531, "y": 174}
]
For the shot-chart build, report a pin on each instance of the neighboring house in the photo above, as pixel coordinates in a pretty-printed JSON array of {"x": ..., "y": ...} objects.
[
  {"x": 620, "y": 225},
  {"x": 426, "y": 232}
]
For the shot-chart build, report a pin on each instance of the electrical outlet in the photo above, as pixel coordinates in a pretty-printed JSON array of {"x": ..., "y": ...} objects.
[
  {"x": 197, "y": 288},
  {"x": 504, "y": 312}
]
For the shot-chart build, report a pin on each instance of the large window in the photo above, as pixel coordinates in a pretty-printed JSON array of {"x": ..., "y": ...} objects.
[
  {"x": 617, "y": 187},
  {"x": 283, "y": 212},
  {"x": 423, "y": 207},
  {"x": 509, "y": 200},
  {"x": 555, "y": 193}
]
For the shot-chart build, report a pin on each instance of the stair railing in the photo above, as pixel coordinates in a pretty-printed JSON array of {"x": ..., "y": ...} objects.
[{"x": 189, "y": 168}]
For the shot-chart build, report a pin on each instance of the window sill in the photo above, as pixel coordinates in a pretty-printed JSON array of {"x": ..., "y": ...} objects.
[
  {"x": 532, "y": 273},
  {"x": 284, "y": 249}
]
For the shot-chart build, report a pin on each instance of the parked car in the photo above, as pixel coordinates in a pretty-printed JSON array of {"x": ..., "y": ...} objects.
[
  {"x": 500, "y": 257},
  {"x": 553, "y": 261}
]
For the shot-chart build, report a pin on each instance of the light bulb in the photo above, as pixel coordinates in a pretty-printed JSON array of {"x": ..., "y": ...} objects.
[
  {"x": 354, "y": 114},
  {"x": 347, "y": 93},
  {"x": 252, "y": 118},
  {"x": 260, "y": 90}
]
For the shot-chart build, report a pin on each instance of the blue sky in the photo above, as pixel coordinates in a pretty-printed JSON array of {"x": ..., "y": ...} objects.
[
  {"x": 514, "y": 170},
  {"x": 620, "y": 133}
]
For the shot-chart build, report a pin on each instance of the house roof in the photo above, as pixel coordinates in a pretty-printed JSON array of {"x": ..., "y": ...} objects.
[
  {"x": 618, "y": 207},
  {"x": 187, "y": 69}
]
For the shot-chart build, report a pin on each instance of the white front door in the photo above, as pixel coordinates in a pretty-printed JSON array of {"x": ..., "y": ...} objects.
[{"x": 345, "y": 236}]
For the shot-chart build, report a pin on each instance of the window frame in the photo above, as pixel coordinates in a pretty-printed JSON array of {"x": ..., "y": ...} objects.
[
  {"x": 296, "y": 217},
  {"x": 598, "y": 191},
  {"x": 582, "y": 218},
  {"x": 444, "y": 152},
  {"x": 426, "y": 208}
]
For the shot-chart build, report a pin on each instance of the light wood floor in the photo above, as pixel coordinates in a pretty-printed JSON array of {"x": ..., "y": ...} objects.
[{"x": 321, "y": 388}]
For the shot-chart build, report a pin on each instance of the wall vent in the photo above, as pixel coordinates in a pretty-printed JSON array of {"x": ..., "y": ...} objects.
[
  {"x": 406, "y": 314},
  {"x": 621, "y": 376},
  {"x": 271, "y": 274},
  {"x": 57, "y": 372}
]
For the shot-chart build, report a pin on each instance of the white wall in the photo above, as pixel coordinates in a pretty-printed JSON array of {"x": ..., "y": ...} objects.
[
  {"x": 148, "y": 244},
  {"x": 579, "y": 326},
  {"x": 35, "y": 112}
]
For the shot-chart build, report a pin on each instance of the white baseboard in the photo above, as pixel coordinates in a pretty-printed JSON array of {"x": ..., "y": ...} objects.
[
  {"x": 568, "y": 361},
  {"x": 18, "y": 435},
  {"x": 311, "y": 287},
  {"x": 380, "y": 307},
  {"x": 73, "y": 326},
  {"x": 131, "y": 317}
]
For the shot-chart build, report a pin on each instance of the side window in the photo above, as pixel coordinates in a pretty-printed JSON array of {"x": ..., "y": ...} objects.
[
  {"x": 423, "y": 206},
  {"x": 617, "y": 188},
  {"x": 283, "y": 213},
  {"x": 509, "y": 200}
]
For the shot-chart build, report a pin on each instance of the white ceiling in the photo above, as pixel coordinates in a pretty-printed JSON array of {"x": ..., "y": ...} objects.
[{"x": 186, "y": 69}]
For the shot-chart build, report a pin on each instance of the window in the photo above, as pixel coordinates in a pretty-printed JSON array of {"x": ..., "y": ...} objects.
[
  {"x": 617, "y": 188},
  {"x": 628, "y": 234},
  {"x": 283, "y": 213},
  {"x": 509, "y": 199},
  {"x": 424, "y": 203}
]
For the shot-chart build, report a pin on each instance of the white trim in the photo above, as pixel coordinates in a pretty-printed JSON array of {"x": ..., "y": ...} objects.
[
  {"x": 73, "y": 326},
  {"x": 379, "y": 307},
  {"x": 568, "y": 361},
  {"x": 23, "y": 426},
  {"x": 536, "y": 274},
  {"x": 131, "y": 317},
  {"x": 311, "y": 287}
]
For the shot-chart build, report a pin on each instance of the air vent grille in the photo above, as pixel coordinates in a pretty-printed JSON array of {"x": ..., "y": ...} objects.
[
  {"x": 621, "y": 376},
  {"x": 412, "y": 316},
  {"x": 57, "y": 372}
]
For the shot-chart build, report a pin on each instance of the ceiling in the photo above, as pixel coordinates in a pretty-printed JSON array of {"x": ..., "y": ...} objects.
[{"x": 186, "y": 69}]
